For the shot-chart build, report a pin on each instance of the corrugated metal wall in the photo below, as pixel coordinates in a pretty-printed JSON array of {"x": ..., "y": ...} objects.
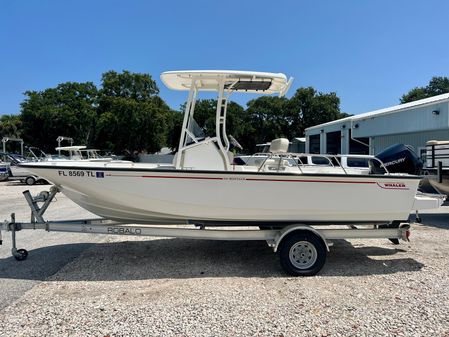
[
  {"x": 420, "y": 119},
  {"x": 413, "y": 126},
  {"x": 416, "y": 139}
]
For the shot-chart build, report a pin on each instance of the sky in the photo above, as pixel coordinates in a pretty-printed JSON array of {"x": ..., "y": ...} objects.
[{"x": 369, "y": 52}]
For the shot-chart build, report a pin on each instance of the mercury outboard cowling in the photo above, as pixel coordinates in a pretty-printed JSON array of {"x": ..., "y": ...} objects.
[{"x": 398, "y": 158}]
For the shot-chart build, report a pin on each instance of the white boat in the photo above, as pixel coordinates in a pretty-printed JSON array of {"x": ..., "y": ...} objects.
[
  {"x": 202, "y": 186},
  {"x": 18, "y": 172},
  {"x": 80, "y": 153}
]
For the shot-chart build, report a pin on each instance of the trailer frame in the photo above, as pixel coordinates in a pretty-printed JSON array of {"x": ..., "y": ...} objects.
[{"x": 311, "y": 243}]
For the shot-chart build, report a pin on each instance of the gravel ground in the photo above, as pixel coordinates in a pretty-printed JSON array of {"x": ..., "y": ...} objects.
[
  {"x": 50, "y": 251},
  {"x": 128, "y": 286}
]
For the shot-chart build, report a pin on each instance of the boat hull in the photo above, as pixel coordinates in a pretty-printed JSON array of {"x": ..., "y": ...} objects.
[{"x": 138, "y": 195}]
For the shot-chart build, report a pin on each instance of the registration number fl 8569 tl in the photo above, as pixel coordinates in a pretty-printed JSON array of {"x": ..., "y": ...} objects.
[{"x": 76, "y": 173}]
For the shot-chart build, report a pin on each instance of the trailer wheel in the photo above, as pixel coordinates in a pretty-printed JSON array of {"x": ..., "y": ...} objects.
[
  {"x": 302, "y": 253},
  {"x": 30, "y": 181},
  {"x": 21, "y": 254},
  {"x": 44, "y": 195}
]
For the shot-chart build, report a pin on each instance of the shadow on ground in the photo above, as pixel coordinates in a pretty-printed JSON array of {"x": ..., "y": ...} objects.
[
  {"x": 42, "y": 262},
  {"x": 438, "y": 220},
  {"x": 183, "y": 259}
]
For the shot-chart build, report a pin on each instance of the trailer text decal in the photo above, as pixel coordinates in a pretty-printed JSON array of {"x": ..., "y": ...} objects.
[{"x": 124, "y": 231}]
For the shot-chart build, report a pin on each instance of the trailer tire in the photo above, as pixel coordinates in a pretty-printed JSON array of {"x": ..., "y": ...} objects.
[
  {"x": 43, "y": 182},
  {"x": 30, "y": 180},
  {"x": 21, "y": 254},
  {"x": 302, "y": 253}
]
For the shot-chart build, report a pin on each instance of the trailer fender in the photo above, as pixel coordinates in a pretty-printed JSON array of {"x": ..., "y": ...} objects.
[{"x": 293, "y": 228}]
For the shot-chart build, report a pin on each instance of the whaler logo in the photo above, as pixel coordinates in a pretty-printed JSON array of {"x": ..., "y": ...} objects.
[
  {"x": 393, "y": 186},
  {"x": 400, "y": 185}
]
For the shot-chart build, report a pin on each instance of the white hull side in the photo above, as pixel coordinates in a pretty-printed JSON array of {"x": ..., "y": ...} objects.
[
  {"x": 140, "y": 196},
  {"x": 19, "y": 171}
]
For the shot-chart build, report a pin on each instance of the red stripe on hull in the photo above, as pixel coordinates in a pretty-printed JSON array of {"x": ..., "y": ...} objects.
[
  {"x": 249, "y": 179},
  {"x": 315, "y": 181},
  {"x": 174, "y": 177}
]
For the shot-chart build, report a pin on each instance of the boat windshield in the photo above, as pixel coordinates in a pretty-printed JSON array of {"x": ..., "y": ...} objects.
[{"x": 195, "y": 131}]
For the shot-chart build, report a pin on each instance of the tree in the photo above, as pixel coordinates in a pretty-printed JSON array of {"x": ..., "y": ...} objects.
[
  {"x": 437, "y": 86},
  {"x": 68, "y": 110},
  {"x": 311, "y": 108},
  {"x": 130, "y": 114},
  {"x": 205, "y": 111},
  {"x": 204, "y": 115},
  {"x": 136, "y": 86},
  {"x": 10, "y": 126},
  {"x": 273, "y": 117},
  {"x": 133, "y": 126},
  {"x": 174, "y": 124},
  {"x": 126, "y": 113},
  {"x": 267, "y": 119}
]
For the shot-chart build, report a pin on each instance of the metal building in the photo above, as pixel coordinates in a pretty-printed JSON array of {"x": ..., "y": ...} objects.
[{"x": 412, "y": 123}]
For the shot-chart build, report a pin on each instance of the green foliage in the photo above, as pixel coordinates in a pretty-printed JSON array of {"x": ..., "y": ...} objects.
[
  {"x": 132, "y": 125},
  {"x": 10, "y": 126},
  {"x": 344, "y": 115},
  {"x": 174, "y": 124},
  {"x": 437, "y": 86},
  {"x": 131, "y": 116},
  {"x": 126, "y": 114},
  {"x": 315, "y": 108},
  {"x": 268, "y": 118},
  {"x": 204, "y": 115},
  {"x": 69, "y": 109},
  {"x": 136, "y": 86},
  {"x": 273, "y": 117},
  {"x": 205, "y": 110}
]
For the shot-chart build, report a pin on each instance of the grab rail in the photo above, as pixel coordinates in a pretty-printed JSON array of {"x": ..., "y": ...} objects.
[{"x": 298, "y": 158}]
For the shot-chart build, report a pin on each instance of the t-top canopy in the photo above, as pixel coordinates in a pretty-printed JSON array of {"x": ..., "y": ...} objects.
[
  {"x": 70, "y": 148},
  {"x": 242, "y": 81}
]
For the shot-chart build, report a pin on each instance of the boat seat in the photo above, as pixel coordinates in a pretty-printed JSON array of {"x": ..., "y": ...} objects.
[
  {"x": 279, "y": 145},
  {"x": 375, "y": 168},
  {"x": 273, "y": 164},
  {"x": 286, "y": 163}
]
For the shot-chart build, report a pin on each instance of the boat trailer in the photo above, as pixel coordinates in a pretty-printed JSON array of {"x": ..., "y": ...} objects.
[{"x": 302, "y": 248}]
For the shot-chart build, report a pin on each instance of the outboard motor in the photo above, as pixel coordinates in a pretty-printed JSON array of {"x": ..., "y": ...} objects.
[{"x": 398, "y": 158}]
